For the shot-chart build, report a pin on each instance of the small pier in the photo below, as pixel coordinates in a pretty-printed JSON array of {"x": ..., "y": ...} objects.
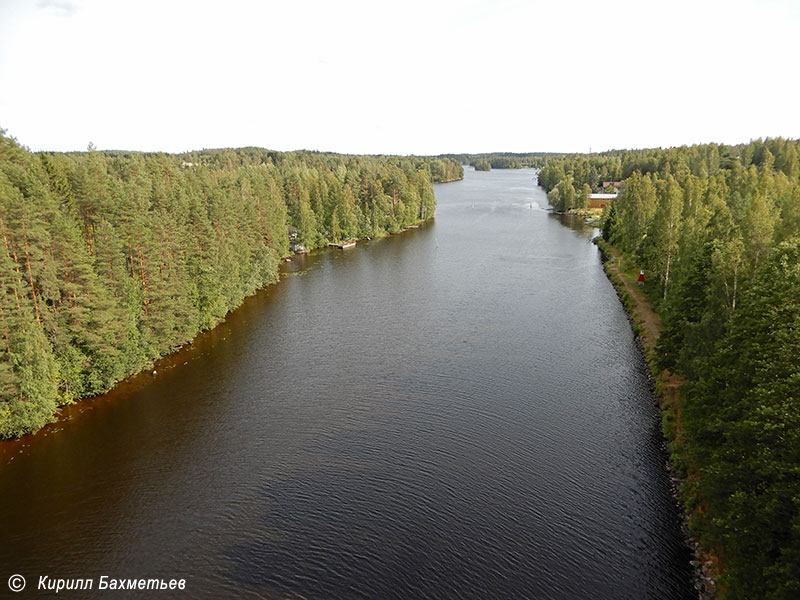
[{"x": 343, "y": 245}]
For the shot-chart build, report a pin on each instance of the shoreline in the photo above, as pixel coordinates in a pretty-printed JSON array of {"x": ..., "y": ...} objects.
[
  {"x": 69, "y": 410},
  {"x": 646, "y": 325}
]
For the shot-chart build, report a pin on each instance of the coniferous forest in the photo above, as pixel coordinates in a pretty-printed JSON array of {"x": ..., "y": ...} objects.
[
  {"x": 717, "y": 231},
  {"x": 110, "y": 260},
  {"x": 502, "y": 160}
]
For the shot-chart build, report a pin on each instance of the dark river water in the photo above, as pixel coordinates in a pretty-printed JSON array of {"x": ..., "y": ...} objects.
[{"x": 459, "y": 411}]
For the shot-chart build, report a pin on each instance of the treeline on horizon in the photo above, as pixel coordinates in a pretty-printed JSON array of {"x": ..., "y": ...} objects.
[
  {"x": 717, "y": 231},
  {"x": 502, "y": 160},
  {"x": 110, "y": 260}
]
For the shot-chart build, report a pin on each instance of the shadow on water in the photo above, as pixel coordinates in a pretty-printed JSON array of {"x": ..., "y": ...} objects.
[{"x": 578, "y": 224}]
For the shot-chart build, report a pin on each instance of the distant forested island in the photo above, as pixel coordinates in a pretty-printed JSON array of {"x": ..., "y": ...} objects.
[
  {"x": 716, "y": 230},
  {"x": 113, "y": 259}
]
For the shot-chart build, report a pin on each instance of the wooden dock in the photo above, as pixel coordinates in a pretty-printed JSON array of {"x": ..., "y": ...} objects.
[{"x": 343, "y": 245}]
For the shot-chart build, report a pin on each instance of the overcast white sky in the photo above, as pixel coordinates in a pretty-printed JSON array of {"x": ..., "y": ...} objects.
[{"x": 403, "y": 77}]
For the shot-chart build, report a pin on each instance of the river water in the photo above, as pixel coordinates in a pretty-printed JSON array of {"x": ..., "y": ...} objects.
[{"x": 459, "y": 411}]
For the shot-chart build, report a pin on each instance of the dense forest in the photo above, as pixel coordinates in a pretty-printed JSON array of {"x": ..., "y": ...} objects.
[
  {"x": 112, "y": 259},
  {"x": 501, "y": 160},
  {"x": 717, "y": 230}
]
